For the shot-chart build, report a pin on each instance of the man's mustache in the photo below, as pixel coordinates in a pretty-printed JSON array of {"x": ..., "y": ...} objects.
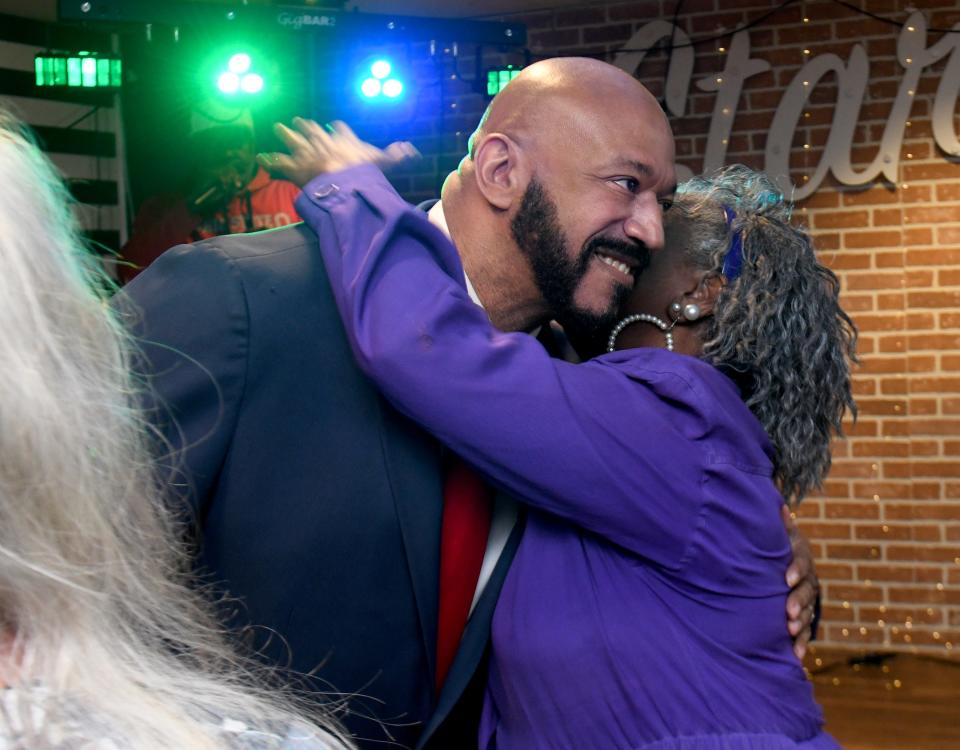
[{"x": 639, "y": 252}]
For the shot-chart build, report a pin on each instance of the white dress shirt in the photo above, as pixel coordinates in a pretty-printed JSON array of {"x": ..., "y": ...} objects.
[{"x": 504, "y": 516}]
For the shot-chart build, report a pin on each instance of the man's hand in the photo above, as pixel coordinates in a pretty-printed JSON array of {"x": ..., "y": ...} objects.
[
  {"x": 802, "y": 579},
  {"x": 315, "y": 150}
]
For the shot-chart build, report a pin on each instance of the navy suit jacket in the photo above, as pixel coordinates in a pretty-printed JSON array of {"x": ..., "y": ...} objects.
[{"x": 316, "y": 505}]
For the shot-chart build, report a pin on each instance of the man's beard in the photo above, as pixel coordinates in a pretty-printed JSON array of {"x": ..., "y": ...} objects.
[{"x": 536, "y": 230}]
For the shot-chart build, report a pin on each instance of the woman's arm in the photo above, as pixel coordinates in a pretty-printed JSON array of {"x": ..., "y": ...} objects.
[{"x": 581, "y": 441}]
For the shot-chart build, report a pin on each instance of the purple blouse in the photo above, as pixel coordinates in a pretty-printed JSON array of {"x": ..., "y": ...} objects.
[{"x": 645, "y": 607}]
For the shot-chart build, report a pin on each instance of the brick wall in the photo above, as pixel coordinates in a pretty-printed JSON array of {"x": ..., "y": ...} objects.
[{"x": 887, "y": 529}]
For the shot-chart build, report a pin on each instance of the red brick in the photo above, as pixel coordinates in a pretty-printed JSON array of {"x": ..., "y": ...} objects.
[
  {"x": 822, "y": 199},
  {"x": 873, "y": 281},
  {"x": 936, "y": 469},
  {"x": 935, "y": 171},
  {"x": 925, "y": 490},
  {"x": 889, "y": 260},
  {"x": 895, "y": 428},
  {"x": 883, "y": 532},
  {"x": 861, "y": 510},
  {"x": 913, "y": 236},
  {"x": 880, "y": 322},
  {"x": 611, "y": 33},
  {"x": 643, "y": 10},
  {"x": 901, "y": 573},
  {"x": 825, "y": 530},
  {"x": 926, "y": 552},
  {"x": 846, "y": 592},
  {"x": 834, "y": 571},
  {"x": 883, "y": 490},
  {"x": 933, "y": 299},
  {"x": 924, "y": 448},
  {"x": 887, "y": 217},
  {"x": 848, "y": 260},
  {"x": 840, "y": 219},
  {"x": 882, "y": 406},
  {"x": 948, "y": 236},
  {"x": 921, "y": 363},
  {"x": 853, "y": 551},
  {"x": 918, "y": 278},
  {"x": 891, "y": 301},
  {"x": 891, "y": 615},
  {"x": 580, "y": 17},
  {"x": 920, "y": 321},
  {"x": 877, "y": 365},
  {"x": 934, "y": 385}
]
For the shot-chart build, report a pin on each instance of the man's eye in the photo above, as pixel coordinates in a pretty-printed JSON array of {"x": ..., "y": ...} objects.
[
  {"x": 666, "y": 204},
  {"x": 629, "y": 184}
]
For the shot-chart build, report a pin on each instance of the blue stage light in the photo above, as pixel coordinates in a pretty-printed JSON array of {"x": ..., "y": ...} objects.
[
  {"x": 380, "y": 81},
  {"x": 371, "y": 88},
  {"x": 392, "y": 88}
]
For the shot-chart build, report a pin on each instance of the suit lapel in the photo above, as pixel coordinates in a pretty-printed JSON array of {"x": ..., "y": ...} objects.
[
  {"x": 475, "y": 641},
  {"x": 413, "y": 465}
]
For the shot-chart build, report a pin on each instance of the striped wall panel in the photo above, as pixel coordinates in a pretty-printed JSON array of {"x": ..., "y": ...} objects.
[{"x": 79, "y": 130}]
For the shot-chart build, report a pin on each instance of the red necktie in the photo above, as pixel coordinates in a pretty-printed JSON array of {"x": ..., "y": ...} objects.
[{"x": 463, "y": 541}]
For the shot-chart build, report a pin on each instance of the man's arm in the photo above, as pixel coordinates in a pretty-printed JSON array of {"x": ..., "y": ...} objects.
[{"x": 188, "y": 313}]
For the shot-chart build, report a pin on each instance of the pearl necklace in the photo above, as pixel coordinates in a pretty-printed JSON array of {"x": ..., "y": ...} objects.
[{"x": 636, "y": 318}]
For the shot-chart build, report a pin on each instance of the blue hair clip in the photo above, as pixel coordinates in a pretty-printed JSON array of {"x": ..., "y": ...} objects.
[{"x": 733, "y": 260}]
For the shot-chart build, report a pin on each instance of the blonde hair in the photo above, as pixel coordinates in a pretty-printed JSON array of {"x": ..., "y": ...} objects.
[{"x": 94, "y": 594}]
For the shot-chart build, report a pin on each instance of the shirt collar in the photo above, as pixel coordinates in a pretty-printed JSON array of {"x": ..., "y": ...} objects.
[{"x": 436, "y": 217}]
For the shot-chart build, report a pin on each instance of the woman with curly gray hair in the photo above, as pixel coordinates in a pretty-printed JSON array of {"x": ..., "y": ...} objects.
[
  {"x": 739, "y": 286},
  {"x": 103, "y": 642},
  {"x": 644, "y": 607}
]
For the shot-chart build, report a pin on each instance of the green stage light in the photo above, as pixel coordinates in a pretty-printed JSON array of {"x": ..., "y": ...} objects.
[
  {"x": 79, "y": 70},
  {"x": 239, "y": 63},
  {"x": 251, "y": 83},
  {"x": 239, "y": 77},
  {"x": 498, "y": 78},
  {"x": 228, "y": 82}
]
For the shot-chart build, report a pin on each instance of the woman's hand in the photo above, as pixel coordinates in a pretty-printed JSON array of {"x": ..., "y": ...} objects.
[
  {"x": 315, "y": 150},
  {"x": 804, "y": 587}
]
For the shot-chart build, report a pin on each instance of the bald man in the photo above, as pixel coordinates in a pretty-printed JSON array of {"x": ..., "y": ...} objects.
[{"x": 319, "y": 508}]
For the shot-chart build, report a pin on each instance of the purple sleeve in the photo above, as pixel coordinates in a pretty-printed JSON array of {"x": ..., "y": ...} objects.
[{"x": 585, "y": 442}]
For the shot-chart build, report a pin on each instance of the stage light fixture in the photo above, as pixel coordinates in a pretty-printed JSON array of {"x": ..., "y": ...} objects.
[
  {"x": 239, "y": 63},
  {"x": 228, "y": 82},
  {"x": 380, "y": 69},
  {"x": 498, "y": 78},
  {"x": 371, "y": 88},
  {"x": 379, "y": 81},
  {"x": 239, "y": 77},
  {"x": 392, "y": 88},
  {"x": 77, "y": 70},
  {"x": 252, "y": 83}
]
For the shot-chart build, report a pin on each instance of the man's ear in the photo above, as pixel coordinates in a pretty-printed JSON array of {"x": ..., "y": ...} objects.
[{"x": 500, "y": 170}]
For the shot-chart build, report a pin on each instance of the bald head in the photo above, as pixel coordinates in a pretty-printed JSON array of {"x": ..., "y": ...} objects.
[
  {"x": 560, "y": 198},
  {"x": 564, "y": 98}
]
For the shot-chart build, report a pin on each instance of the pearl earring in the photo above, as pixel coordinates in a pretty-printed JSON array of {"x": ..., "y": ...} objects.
[{"x": 691, "y": 311}]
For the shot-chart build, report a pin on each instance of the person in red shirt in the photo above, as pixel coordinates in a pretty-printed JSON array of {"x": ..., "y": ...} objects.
[{"x": 229, "y": 193}]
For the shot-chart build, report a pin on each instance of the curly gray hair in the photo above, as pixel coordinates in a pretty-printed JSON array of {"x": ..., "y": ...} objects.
[{"x": 777, "y": 327}]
